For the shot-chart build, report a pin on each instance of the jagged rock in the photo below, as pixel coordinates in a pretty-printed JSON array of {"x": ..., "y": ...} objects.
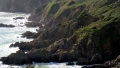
[
  {"x": 28, "y": 34},
  {"x": 15, "y": 45},
  {"x": 24, "y": 46},
  {"x": 4, "y": 25},
  {"x": 17, "y": 58},
  {"x": 39, "y": 55}
]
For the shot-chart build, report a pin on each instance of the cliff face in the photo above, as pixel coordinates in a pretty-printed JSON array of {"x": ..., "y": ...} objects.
[
  {"x": 20, "y": 5},
  {"x": 75, "y": 29},
  {"x": 79, "y": 21}
]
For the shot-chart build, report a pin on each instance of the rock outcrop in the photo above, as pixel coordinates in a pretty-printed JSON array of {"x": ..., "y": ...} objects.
[
  {"x": 28, "y": 34},
  {"x": 17, "y": 58},
  {"x": 5, "y": 25}
]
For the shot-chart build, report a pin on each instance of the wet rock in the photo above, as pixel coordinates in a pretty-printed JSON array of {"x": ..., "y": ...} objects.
[
  {"x": 82, "y": 61},
  {"x": 5, "y": 25},
  {"x": 17, "y": 58},
  {"x": 70, "y": 63},
  {"x": 28, "y": 34},
  {"x": 22, "y": 45},
  {"x": 15, "y": 45},
  {"x": 18, "y": 18}
]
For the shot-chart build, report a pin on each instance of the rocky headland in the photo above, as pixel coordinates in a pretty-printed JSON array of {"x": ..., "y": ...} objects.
[{"x": 84, "y": 31}]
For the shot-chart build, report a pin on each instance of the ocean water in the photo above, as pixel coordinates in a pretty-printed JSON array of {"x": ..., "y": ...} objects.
[{"x": 11, "y": 35}]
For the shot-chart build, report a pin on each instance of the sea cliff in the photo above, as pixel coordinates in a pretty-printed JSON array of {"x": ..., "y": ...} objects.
[{"x": 86, "y": 31}]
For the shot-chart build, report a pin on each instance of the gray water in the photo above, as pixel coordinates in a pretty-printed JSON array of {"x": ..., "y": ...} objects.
[{"x": 11, "y": 35}]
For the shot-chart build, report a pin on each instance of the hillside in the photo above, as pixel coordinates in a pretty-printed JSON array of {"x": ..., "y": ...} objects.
[
  {"x": 20, "y": 5},
  {"x": 87, "y": 31}
]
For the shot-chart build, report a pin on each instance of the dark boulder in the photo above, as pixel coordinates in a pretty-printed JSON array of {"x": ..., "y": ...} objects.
[
  {"x": 5, "y": 25},
  {"x": 15, "y": 45},
  {"x": 18, "y": 58},
  {"x": 28, "y": 34},
  {"x": 24, "y": 46},
  {"x": 70, "y": 63},
  {"x": 18, "y": 18}
]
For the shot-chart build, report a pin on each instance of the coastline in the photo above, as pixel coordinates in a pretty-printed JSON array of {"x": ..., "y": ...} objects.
[
  {"x": 18, "y": 36},
  {"x": 83, "y": 31}
]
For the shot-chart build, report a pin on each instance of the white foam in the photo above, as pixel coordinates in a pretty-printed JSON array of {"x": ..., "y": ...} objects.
[
  {"x": 44, "y": 65},
  {"x": 12, "y": 35}
]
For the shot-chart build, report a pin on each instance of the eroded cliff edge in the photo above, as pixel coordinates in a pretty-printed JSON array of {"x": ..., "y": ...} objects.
[{"x": 73, "y": 30}]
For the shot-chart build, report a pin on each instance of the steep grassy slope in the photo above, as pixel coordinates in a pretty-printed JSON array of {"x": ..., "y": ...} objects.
[
  {"x": 92, "y": 20},
  {"x": 73, "y": 30}
]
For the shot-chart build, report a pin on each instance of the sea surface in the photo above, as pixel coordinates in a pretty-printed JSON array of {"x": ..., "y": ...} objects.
[{"x": 10, "y": 35}]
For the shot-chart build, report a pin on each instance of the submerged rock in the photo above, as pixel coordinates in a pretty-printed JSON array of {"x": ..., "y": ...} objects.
[{"x": 18, "y": 18}]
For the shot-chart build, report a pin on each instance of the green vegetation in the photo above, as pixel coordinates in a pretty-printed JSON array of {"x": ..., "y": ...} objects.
[
  {"x": 105, "y": 11},
  {"x": 107, "y": 15}
]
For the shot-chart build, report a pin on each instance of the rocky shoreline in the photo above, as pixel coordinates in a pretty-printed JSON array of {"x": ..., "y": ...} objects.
[
  {"x": 20, "y": 58},
  {"x": 85, "y": 33}
]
